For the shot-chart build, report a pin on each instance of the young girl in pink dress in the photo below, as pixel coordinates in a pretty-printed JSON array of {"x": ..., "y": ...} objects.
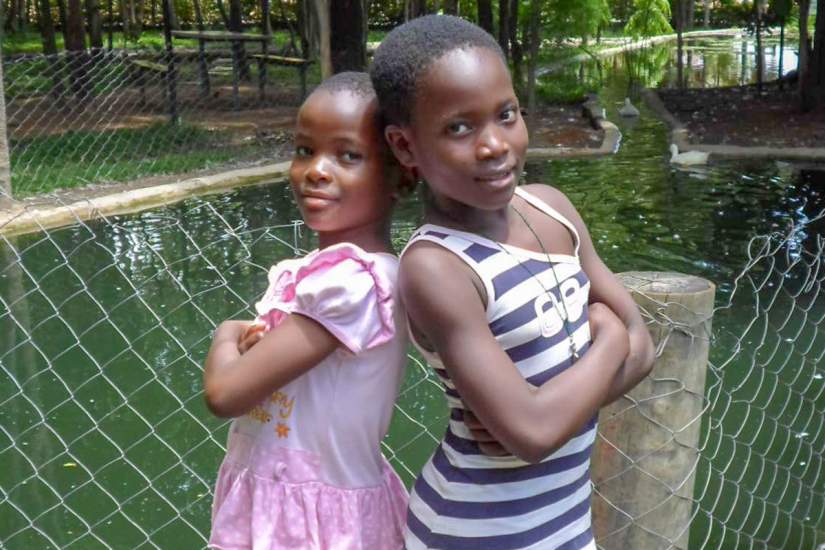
[{"x": 313, "y": 379}]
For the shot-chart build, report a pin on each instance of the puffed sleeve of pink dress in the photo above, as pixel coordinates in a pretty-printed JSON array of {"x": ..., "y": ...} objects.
[{"x": 304, "y": 469}]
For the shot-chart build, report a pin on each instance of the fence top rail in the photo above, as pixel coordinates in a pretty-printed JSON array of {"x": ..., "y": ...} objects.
[{"x": 223, "y": 36}]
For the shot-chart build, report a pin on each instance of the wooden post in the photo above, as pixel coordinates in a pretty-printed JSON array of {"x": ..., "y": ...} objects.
[
  {"x": 646, "y": 454},
  {"x": 5, "y": 170}
]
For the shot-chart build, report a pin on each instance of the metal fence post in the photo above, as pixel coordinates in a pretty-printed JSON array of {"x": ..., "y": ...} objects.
[
  {"x": 645, "y": 459},
  {"x": 5, "y": 170}
]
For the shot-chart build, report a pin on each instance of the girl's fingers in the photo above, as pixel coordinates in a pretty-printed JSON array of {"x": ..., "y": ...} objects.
[
  {"x": 252, "y": 336},
  {"x": 487, "y": 444},
  {"x": 471, "y": 420},
  {"x": 492, "y": 449},
  {"x": 483, "y": 436}
]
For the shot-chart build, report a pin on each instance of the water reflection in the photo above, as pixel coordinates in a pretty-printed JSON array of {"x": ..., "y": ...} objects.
[{"x": 708, "y": 62}]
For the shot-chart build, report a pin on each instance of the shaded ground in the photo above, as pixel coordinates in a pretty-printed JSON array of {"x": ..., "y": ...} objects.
[
  {"x": 271, "y": 125},
  {"x": 562, "y": 125},
  {"x": 744, "y": 116}
]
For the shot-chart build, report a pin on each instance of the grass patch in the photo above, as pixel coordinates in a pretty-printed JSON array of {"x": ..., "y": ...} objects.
[
  {"x": 76, "y": 159},
  {"x": 30, "y": 42}
]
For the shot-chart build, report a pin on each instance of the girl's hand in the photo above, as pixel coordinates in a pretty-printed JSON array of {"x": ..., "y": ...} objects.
[
  {"x": 605, "y": 324},
  {"x": 250, "y": 336},
  {"x": 487, "y": 444}
]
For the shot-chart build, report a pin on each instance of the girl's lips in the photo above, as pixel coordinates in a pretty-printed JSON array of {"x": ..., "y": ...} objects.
[
  {"x": 316, "y": 202},
  {"x": 498, "y": 180}
]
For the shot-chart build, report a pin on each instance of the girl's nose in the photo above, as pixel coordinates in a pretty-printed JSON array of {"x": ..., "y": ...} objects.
[
  {"x": 318, "y": 171},
  {"x": 491, "y": 143}
]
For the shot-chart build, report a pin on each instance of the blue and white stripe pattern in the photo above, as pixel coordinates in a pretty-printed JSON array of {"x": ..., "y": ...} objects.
[{"x": 465, "y": 499}]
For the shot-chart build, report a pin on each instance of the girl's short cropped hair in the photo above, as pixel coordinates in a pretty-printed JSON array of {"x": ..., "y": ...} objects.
[
  {"x": 358, "y": 83},
  {"x": 410, "y": 49}
]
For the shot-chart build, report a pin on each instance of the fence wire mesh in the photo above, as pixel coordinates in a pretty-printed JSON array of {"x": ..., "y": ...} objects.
[
  {"x": 101, "y": 116},
  {"x": 105, "y": 440}
]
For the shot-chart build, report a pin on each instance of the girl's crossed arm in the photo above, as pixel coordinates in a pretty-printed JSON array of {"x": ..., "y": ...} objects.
[
  {"x": 529, "y": 422},
  {"x": 234, "y": 383}
]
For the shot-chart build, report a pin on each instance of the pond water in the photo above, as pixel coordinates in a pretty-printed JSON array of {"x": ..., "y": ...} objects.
[{"x": 104, "y": 428}]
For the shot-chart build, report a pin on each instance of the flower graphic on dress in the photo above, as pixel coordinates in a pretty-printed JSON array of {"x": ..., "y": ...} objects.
[{"x": 282, "y": 429}]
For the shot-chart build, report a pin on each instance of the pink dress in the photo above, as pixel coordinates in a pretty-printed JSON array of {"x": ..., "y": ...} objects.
[{"x": 304, "y": 469}]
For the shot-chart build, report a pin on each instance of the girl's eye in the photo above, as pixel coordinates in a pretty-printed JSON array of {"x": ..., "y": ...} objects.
[
  {"x": 303, "y": 151},
  {"x": 508, "y": 115},
  {"x": 351, "y": 156},
  {"x": 458, "y": 128}
]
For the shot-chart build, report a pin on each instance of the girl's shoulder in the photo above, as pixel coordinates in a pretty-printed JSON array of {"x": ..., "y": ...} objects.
[
  {"x": 345, "y": 289},
  {"x": 547, "y": 194},
  {"x": 537, "y": 193}
]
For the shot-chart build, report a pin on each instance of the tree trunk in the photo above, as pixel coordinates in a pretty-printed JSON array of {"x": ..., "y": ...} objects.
[
  {"x": 61, "y": 13},
  {"x": 131, "y": 15},
  {"x": 706, "y": 20},
  {"x": 47, "y": 28},
  {"x": 451, "y": 7},
  {"x": 10, "y": 22},
  {"x": 5, "y": 170},
  {"x": 348, "y": 41},
  {"x": 485, "y": 15},
  {"x": 76, "y": 49},
  {"x": 222, "y": 11},
  {"x": 292, "y": 49},
  {"x": 516, "y": 51},
  {"x": 504, "y": 27},
  {"x": 679, "y": 18},
  {"x": 110, "y": 26},
  {"x": 321, "y": 26},
  {"x": 55, "y": 67},
  {"x": 760, "y": 60},
  {"x": 804, "y": 52},
  {"x": 266, "y": 27},
  {"x": 781, "y": 51},
  {"x": 532, "y": 62},
  {"x": 238, "y": 49},
  {"x": 813, "y": 88},
  {"x": 307, "y": 30},
  {"x": 95, "y": 24},
  {"x": 414, "y": 8},
  {"x": 196, "y": 5},
  {"x": 691, "y": 14}
]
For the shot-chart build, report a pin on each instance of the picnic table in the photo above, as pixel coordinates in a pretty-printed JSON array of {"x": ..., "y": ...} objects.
[{"x": 234, "y": 38}]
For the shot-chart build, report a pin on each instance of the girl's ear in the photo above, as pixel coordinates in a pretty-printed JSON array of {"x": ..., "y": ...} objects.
[{"x": 400, "y": 144}]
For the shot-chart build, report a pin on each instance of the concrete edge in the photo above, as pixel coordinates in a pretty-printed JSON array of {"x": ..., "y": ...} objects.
[
  {"x": 22, "y": 219},
  {"x": 681, "y": 137}
]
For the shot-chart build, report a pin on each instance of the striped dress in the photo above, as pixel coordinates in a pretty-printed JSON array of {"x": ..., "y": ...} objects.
[{"x": 465, "y": 499}]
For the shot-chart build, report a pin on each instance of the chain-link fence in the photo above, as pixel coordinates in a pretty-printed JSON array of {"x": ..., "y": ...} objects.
[
  {"x": 105, "y": 440},
  {"x": 105, "y": 116}
]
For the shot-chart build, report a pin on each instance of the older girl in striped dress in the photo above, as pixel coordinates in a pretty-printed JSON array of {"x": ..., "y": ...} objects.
[{"x": 507, "y": 299}]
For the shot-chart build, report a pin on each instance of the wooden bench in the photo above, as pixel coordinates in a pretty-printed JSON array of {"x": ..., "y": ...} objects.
[
  {"x": 297, "y": 62},
  {"x": 144, "y": 67}
]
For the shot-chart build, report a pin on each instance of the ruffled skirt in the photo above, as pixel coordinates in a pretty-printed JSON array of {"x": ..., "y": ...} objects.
[{"x": 275, "y": 500}]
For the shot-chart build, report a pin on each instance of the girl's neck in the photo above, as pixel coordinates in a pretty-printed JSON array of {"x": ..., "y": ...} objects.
[
  {"x": 370, "y": 238},
  {"x": 492, "y": 224}
]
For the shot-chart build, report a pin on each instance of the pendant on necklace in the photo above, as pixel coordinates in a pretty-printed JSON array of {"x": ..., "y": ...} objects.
[{"x": 574, "y": 353}]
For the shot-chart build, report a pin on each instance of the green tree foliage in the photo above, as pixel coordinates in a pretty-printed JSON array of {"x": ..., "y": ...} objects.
[
  {"x": 582, "y": 18},
  {"x": 650, "y": 17}
]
